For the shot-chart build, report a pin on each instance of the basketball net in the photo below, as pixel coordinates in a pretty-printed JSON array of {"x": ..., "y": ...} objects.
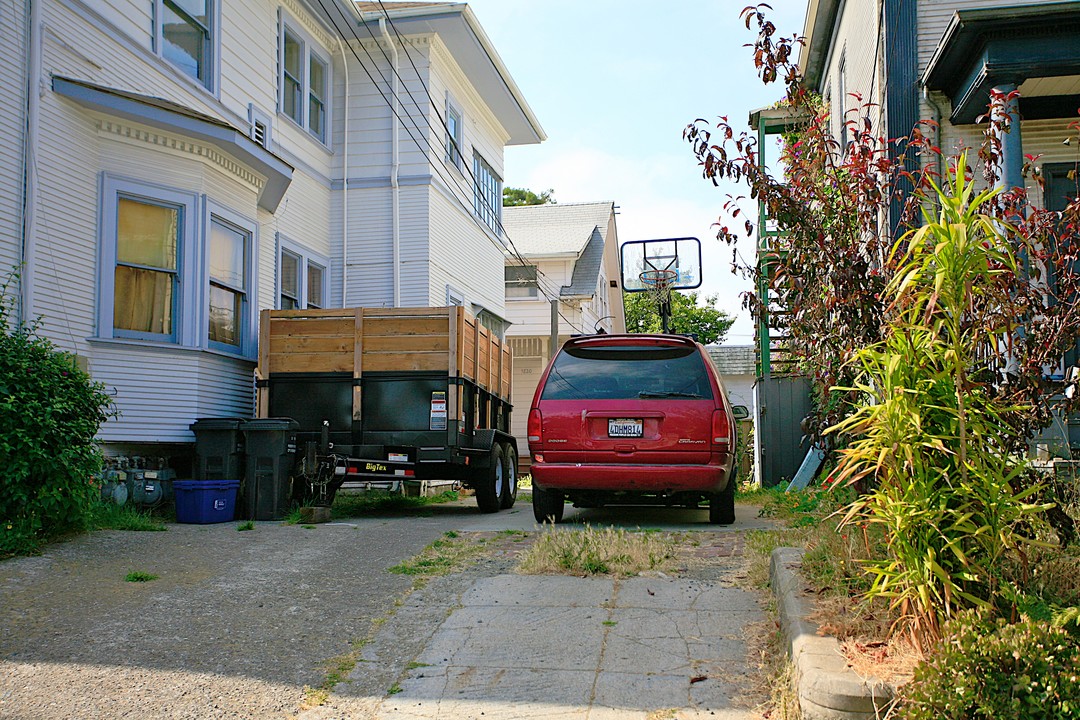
[{"x": 658, "y": 285}]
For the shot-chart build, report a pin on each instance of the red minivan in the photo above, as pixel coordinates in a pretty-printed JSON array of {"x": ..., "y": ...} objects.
[{"x": 632, "y": 419}]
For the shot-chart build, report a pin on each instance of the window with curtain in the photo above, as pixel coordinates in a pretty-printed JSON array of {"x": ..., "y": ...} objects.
[
  {"x": 186, "y": 36},
  {"x": 227, "y": 254},
  {"x": 147, "y": 253}
]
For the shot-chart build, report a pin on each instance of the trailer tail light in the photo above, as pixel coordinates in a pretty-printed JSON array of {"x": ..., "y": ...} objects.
[
  {"x": 535, "y": 428},
  {"x": 721, "y": 429}
]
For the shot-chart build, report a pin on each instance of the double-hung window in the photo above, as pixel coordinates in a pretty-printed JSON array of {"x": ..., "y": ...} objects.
[
  {"x": 228, "y": 252},
  {"x": 487, "y": 194},
  {"x": 186, "y": 36},
  {"x": 453, "y": 135},
  {"x": 146, "y": 274},
  {"x": 304, "y": 81},
  {"x": 302, "y": 278}
]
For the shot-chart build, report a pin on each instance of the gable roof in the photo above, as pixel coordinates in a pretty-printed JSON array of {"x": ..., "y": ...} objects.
[
  {"x": 733, "y": 359},
  {"x": 557, "y": 230}
]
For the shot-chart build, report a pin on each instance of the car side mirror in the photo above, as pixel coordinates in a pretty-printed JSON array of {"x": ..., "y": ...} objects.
[{"x": 739, "y": 412}]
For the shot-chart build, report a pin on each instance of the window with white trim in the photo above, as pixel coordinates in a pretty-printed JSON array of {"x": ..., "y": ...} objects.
[
  {"x": 185, "y": 36},
  {"x": 521, "y": 282},
  {"x": 302, "y": 278},
  {"x": 487, "y": 193},
  {"x": 304, "y": 80},
  {"x": 453, "y": 134}
]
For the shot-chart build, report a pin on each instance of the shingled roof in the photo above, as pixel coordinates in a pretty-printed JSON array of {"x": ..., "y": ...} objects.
[
  {"x": 559, "y": 229},
  {"x": 733, "y": 359}
]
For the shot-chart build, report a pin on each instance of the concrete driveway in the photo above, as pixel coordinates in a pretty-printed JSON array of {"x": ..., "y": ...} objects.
[{"x": 244, "y": 624}]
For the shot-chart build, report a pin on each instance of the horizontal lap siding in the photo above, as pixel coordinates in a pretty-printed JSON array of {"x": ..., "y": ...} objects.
[
  {"x": 368, "y": 272},
  {"x": 160, "y": 392},
  {"x": 13, "y": 76}
]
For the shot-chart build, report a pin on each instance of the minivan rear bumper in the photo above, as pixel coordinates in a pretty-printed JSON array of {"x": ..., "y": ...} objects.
[{"x": 630, "y": 478}]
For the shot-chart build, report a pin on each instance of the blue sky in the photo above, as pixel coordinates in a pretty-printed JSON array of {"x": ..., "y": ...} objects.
[{"x": 614, "y": 84}]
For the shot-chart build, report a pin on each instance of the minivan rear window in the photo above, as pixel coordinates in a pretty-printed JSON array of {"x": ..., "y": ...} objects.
[{"x": 628, "y": 371}]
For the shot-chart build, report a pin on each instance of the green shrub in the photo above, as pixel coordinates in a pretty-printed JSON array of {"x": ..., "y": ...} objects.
[
  {"x": 994, "y": 669},
  {"x": 50, "y": 412}
]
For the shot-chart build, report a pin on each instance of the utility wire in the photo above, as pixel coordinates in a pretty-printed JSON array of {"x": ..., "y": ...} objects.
[{"x": 548, "y": 291}]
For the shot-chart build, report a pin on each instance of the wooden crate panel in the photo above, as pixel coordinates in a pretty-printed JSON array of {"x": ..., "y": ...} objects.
[
  {"x": 387, "y": 362},
  {"x": 396, "y": 326},
  {"x": 311, "y": 362},
  {"x": 342, "y": 327},
  {"x": 289, "y": 344},
  {"x": 406, "y": 344}
]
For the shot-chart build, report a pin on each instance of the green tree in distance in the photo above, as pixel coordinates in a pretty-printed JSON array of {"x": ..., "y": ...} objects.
[
  {"x": 688, "y": 317},
  {"x": 513, "y": 197}
]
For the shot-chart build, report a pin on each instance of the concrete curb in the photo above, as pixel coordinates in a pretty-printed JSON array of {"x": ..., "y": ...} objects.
[{"x": 828, "y": 689}]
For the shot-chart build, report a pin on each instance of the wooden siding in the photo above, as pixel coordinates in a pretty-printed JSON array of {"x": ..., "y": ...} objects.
[
  {"x": 160, "y": 393},
  {"x": 12, "y": 133}
]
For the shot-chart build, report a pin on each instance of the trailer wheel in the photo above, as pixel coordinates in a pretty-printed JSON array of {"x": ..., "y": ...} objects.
[
  {"x": 547, "y": 505},
  {"x": 489, "y": 489},
  {"x": 722, "y": 505},
  {"x": 510, "y": 486}
]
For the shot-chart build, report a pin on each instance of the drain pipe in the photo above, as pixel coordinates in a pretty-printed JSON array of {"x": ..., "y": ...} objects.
[
  {"x": 344, "y": 179},
  {"x": 939, "y": 114},
  {"x": 395, "y": 163},
  {"x": 29, "y": 161}
]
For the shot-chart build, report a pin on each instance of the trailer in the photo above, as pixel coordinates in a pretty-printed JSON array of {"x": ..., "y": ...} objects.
[{"x": 390, "y": 397}]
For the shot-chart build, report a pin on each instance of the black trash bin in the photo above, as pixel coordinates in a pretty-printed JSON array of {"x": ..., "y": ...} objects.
[
  {"x": 271, "y": 449},
  {"x": 219, "y": 449}
]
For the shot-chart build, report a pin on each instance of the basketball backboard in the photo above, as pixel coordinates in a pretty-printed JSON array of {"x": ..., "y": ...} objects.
[{"x": 682, "y": 255}]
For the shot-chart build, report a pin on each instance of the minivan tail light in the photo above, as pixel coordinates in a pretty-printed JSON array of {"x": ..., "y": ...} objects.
[
  {"x": 721, "y": 429},
  {"x": 535, "y": 428}
]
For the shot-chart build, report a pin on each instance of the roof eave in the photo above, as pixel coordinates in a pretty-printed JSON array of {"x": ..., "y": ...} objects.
[{"x": 818, "y": 29}]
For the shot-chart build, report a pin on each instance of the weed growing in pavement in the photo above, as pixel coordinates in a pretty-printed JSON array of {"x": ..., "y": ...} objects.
[
  {"x": 293, "y": 516},
  {"x": 247, "y": 525},
  {"x": 139, "y": 576},
  {"x": 448, "y": 553},
  {"x": 110, "y": 516},
  {"x": 607, "y": 551},
  {"x": 394, "y": 689}
]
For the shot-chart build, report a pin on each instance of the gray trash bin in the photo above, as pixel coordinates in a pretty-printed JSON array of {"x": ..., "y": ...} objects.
[
  {"x": 270, "y": 444},
  {"x": 219, "y": 449}
]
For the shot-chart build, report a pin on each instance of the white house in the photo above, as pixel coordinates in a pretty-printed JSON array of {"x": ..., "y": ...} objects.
[
  {"x": 185, "y": 164},
  {"x": 562, "y": 278}
]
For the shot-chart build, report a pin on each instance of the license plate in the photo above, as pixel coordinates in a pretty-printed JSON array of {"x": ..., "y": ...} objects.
[{"x": 623, "y": 428}]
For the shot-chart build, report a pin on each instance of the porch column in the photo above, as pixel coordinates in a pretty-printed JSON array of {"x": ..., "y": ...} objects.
[{"x": 1012, "y": 146}]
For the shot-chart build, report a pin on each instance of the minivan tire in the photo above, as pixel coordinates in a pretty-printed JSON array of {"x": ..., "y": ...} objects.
[
  {"x": 489, "y": 489},
  {"x": 722, "y": 506},
  {"x": 510, "y": 478},
  {"x": 547, "y": 505}
]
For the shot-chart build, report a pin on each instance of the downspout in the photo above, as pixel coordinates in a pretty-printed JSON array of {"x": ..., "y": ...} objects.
[
  {"x": 395, "y": 164},
  {"x": 344, "y": 179},
  {"x": 29, "y": 160},
  {"x": 938, "y": 117}
]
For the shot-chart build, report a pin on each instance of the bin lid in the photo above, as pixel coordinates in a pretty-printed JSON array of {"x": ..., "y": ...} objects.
[
  {"x": 216, "y": 424},
  {"x": 269, "y": 424}
]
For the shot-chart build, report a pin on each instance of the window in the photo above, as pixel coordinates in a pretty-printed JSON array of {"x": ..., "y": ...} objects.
[
  {"x": 453, "y": 135},
  {"x": 302, "y": 280},
  {"x": 487, "y": 194},
  {"x": 185, "y": 34},
  {"x": 521, "y": 282},
  {"x": 175, "y": 268},
  {"x": 304, "y": 81},
  {"x": 454, "y": 297},
  {"x": 146, "y": 272},
  {"x": 228, "y": 253}
]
